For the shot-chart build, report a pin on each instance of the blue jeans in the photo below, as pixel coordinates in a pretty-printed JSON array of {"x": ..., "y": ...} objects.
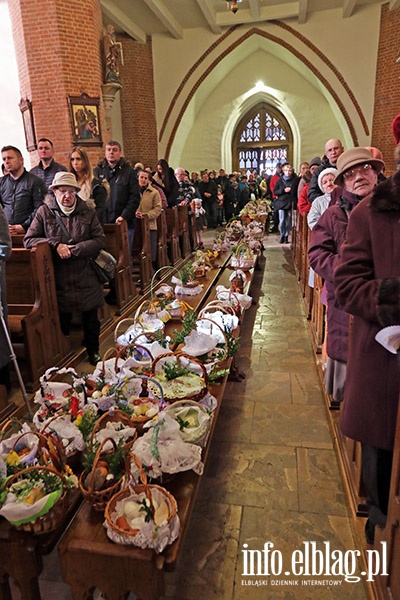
[{"x": 284, "y": 222}]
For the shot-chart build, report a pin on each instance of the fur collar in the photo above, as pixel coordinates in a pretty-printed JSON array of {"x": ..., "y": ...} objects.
[{"x": 386, "y": 195}]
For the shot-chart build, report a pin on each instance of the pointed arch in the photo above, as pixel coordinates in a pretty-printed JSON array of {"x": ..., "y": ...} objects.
[{"x": 263, "y": 137}]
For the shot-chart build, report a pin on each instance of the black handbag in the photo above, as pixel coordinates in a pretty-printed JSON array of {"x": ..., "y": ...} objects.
[{"x": 103, "y": 265}]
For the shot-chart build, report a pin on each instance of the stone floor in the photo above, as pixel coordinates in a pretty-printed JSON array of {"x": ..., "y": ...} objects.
[{"x": 272, "y": 474}]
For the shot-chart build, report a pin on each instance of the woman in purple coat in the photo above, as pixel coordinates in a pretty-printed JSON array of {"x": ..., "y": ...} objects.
[{"x": 367, "y": 285}]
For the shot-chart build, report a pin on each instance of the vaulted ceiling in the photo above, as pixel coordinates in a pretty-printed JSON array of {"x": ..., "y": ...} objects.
[{"x": 140, "y": 18}]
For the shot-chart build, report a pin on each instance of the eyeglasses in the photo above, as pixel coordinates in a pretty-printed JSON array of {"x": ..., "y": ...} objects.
[
  {"x": 66, "y": 192},
  {"x": 353, "y": 172}
]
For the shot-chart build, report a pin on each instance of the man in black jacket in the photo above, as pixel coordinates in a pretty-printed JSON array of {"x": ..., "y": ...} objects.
[
  {"x": 47, "y": 167},
  {"x": 21, "y": 193},
  {"x": 124, "y": 197},
  {"x": 333, "y": 149}
]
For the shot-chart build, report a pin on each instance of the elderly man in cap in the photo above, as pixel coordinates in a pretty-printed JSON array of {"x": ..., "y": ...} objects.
[
  {"x": 367, "y": 285},
  {"x": 73, "y": 231}
]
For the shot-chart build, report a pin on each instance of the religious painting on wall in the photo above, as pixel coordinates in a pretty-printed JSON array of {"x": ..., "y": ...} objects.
[
  {"x": 25, "y": 106},
  {"x": 85, "y": 120}
]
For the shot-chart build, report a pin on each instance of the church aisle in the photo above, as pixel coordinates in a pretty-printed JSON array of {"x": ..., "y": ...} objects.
[{"x": 272, "y": 473}]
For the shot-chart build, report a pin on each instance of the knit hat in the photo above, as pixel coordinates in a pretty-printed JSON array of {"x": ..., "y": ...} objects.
[
  {"x": 396, "y": 129},
  {"x": 354, "y": 157},
  {"x": 64, "y": 178},
  {"x": 325, "y": 172},
  {"x": 314, "y": 162}
]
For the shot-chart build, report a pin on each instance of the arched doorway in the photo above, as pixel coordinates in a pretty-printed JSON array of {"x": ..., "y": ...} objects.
[{"x": 262, "y": 138}]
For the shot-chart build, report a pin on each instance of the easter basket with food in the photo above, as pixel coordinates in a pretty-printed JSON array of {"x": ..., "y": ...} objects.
[
  {"x": 242, "y": 257},
  {"x": 140, "y": 328},
  {"x": 143, "y": 515},
  {"x": 140, "y": 405},
  {"x": 180, "y": 376},
  {"x": 208, "y": 343},
  {"x": 186, "y": 283},
  {"x": 194, "y": 420},
  {"x": 114, "y": 425},
  {"x": 58, "y": 397},
  {"x": 234, "y": 230},
  {"x": 32, "y": 448},
  {"x": 103, "y": 473},
  {"x": 35, "y": 499}
]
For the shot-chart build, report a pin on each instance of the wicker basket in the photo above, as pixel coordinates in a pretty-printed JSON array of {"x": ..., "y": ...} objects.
[
  {"x": 201, "y": 438},
  {"x": 50, "y": 451},
  {"x": 140, "y": 420},
  {"x": 99, "y": 498},
  {"x": 179, "y": 356},
  {"x": 55, "y": 515},
  {"x": 217, "y": 362},
  {"x": 113, "y": 416},
  {"x": 127, "y": 535}
]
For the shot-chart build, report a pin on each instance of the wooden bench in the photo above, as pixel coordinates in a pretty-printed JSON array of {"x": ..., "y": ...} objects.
[
  {"x": 117, "y": 243},
  {"x": 162, "y": 250},
  {"x": 183, "y": 231},
  {"x": 33, "y": 310},
  {"x": 142, "y": 269},
  {"x": 174, "y": 252}
]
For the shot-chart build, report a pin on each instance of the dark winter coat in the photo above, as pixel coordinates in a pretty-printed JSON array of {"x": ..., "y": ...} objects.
[
  {"x": 327, "y": 237},
  {"x": 285, "y": 200},
  {"x": 367, "y": 284},
  {"x": 5, "y": 251},
  {"x": 78, "y": 287},
  {"x": 124, "y": 198},
  {"x": 313, "y": 189},
  {"x": 47, "y": 174},
  {"x": 21, "y": 197}
]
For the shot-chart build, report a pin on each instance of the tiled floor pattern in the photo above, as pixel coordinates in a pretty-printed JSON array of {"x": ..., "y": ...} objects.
[{"x": 272, "y": 474}]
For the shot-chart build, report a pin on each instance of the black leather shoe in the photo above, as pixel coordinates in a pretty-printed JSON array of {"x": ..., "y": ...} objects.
[
  {"x": 282, "y": 240},
  {"x": 94, "y": 358}
]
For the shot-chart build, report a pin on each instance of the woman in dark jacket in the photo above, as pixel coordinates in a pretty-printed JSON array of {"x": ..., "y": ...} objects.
[
  {"x": 165, "y": 178},
  {"x": 78, "y": 287},
  {"x": 92, "y": 189}
]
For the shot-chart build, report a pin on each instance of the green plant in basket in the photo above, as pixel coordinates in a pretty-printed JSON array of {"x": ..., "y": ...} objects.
[
  {"x": 186, "y": 274},
  {"x": 188, "y": 324},
  {"x": 85, "y": 423},
  {"x": 174, "y": 370}
]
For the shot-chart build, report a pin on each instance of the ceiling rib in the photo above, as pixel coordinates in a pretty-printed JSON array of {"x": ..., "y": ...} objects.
[
  {"x": 123, "y": 21},
  {"x": 303, "y": 9},
  {"x": 348, "y": 7},
  {"x": 166, "y": 17},
  {"x": 255, "y": 9},
  {"x": 208, "y": 11}
]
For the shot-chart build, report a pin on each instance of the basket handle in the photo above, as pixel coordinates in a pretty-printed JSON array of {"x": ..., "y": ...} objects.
[
  {"x": 44, "y": 441},
  {"x": 100, "y": 421},
  {"x": 52, "y": 371},
  {"x": 106, "y": 355},
  {"x": 18, "y": 474},
  {"x": 221, "y": 330},
  {"x": 96, "y": 460}
]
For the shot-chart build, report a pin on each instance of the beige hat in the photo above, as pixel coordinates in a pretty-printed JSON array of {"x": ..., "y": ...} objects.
[
  {"x": 352, "y": 158},
  {"x": 64, "y": 178}
]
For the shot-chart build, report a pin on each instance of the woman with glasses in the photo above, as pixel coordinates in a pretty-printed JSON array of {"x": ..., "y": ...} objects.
[
  {"x": 74, "y": 233},
  {"x": 357, "y": 173}
]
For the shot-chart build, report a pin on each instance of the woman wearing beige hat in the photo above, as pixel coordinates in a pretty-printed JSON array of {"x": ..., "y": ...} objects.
[{"x": 74, "y": 233}]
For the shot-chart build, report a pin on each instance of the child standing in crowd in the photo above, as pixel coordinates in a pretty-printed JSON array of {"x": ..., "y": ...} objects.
[{"x": 199, "y": 212}]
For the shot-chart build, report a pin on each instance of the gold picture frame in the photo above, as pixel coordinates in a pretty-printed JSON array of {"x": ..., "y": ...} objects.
[{"x": 85, "y": 120}]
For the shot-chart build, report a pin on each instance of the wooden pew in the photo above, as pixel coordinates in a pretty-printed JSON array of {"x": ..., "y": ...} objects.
[
  {"x": 174, "y": 252},
  {"x": 183, "y": 231},
  {"x": 117, "y": 243},
  {"x": 192, "y": 232},
  {"x": 141, "y": 254},
  {"x": 162, "y": 251},
  {"x": 33, "y": 310},
  {"x": 317, "y": 316}
]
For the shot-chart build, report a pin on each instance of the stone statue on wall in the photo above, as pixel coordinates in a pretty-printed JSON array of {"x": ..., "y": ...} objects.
[{"x": 113, "y": 56}]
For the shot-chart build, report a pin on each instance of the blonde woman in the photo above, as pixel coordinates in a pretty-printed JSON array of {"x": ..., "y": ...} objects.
[{"x": 91, "y": 189}]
